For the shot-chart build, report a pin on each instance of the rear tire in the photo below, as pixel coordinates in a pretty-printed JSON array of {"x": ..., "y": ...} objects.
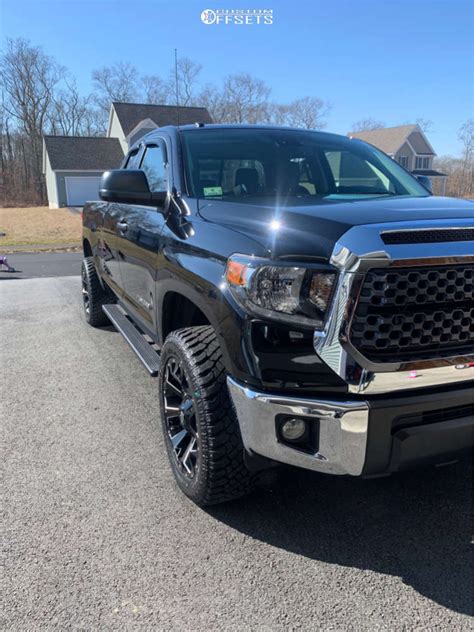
[
  {"x": 93, "y": 295},
  {"x": 200, "y": 428}
]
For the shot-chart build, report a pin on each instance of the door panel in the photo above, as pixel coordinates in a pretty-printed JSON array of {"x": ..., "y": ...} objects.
[
  {"x": 139, "y": 248},
  {"x": 110, "y": 246},
  {"x": 141, "y": 238}
]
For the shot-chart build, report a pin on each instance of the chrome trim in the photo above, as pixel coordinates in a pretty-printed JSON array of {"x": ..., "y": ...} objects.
[
  {"x": 343, "y": 429},
  {"x": 360, "y": 249},
  {"x": 414, "y": 230}
]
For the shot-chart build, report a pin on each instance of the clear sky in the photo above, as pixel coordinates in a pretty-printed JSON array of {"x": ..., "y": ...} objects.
[{"x": 392, "y": 60}]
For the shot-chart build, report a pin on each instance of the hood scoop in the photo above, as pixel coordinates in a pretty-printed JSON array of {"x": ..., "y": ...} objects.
[{"x": 427, "y": 236}]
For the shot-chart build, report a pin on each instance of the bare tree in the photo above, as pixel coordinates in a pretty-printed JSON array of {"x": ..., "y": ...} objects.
[
  {"x": 94, "y": 123},
  {"x": 425, "y": 125},
  {"x": 115, "y": 83},
  {"x": 466, "y": 136},
  {"x": 246, "y": 99},
  {"x": 212, "y": 99},
  {"x": 277, "y": 114},
  {"x": 308, "y": 112},
  {"x": 70, "y": 113},
  {"x": 188, "y": 72},
  {"x": 28, "y": 79},
  {"x": 367, "y": 124},
  {"x": 156, "y": 90}
]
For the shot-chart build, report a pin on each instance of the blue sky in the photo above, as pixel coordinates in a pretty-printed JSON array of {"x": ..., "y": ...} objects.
[{"x": 393, "y": 60}]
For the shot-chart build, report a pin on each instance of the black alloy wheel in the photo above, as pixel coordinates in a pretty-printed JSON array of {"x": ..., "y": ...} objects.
[{"x": 180, "y": 417}]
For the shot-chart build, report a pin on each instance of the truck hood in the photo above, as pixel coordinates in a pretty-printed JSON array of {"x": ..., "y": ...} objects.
[{"x": 296, "y": 228}]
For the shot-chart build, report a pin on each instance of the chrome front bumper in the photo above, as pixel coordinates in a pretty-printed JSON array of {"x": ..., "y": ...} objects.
[{"x": 343, "y": 429}]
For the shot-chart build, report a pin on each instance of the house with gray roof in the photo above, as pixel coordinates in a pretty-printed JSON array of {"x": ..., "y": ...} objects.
[
  {"x": 73, "y": 165},
  {"x": 409, "y": 146},
  {"x": 130, "y": 121}
]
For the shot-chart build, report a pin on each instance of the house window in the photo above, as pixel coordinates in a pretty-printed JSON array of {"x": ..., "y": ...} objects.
[
  {"x": 403, "y": 160},
  {"x": 422, "y": 162}
]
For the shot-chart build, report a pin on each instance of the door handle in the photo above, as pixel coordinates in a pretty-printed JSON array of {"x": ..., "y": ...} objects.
[{"x": 122, "y": 226}]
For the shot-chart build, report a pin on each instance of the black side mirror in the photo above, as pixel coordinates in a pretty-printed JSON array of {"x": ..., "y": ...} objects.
[
  {"x": 426, "y": 182},
  {"x": 130, "y": 186}
]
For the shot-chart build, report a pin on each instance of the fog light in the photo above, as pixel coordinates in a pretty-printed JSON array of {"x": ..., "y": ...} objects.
[{"x": 293, "y": 429}]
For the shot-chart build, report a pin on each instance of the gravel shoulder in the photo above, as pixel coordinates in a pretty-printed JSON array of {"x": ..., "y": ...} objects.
[{"x": 98, "y": 536}]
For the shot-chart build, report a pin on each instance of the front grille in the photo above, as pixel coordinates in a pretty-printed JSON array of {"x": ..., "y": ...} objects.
[
  {"x": 415, "y": 313},
  {"x": 428, "y": 236}
]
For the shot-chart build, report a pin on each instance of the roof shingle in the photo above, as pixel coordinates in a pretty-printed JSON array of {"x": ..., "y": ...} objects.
[
  {"x": 130, "y": 114},
  {"x": 83, "y": 153},
  {"x": 388, "y": 139}
]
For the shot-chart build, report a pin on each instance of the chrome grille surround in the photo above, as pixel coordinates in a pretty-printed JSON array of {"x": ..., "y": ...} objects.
[{"x": 362, "y": 249}]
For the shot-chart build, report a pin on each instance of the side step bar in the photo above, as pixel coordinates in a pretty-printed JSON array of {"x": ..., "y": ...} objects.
[{"x": 144, "y": 350}]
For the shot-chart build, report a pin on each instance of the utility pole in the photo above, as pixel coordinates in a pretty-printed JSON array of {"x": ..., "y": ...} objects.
[{"x": 176, "y": 82}]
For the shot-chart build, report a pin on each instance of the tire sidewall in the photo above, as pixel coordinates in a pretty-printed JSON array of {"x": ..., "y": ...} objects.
[{"x": 194, "y": 487}]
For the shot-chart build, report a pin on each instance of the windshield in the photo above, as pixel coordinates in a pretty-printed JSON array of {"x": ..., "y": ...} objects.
[{"x": 239, "y": 163}]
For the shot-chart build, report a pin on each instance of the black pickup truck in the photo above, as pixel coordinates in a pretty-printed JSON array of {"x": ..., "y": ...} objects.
[{"x": 301, "y": 298}]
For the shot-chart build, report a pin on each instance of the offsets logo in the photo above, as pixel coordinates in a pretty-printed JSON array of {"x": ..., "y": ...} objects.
[
  {"x": 208, "y": 16},
  {"x": 237, "y": 16}
]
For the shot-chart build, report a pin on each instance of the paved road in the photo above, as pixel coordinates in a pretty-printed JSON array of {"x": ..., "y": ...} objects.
[
  {"x": 42, "y": 264},
  {"x": 98, "y": 536}
]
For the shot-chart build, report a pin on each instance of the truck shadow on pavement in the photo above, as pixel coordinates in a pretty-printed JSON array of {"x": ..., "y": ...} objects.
[{"x": 415, "y": 525}]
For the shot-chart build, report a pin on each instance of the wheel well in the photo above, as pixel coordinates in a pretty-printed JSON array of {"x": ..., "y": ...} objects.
[
  {"x": 178, "y": 312},
  {"x": 86, "y": 247}
]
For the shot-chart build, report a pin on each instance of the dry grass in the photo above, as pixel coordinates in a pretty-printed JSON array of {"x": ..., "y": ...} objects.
[{"x": 39, "y": 225}]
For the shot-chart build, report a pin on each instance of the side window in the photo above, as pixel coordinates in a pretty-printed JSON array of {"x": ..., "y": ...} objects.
[
  {"x": 130, "y": 160},
  {"x": 153, "y": 164}
]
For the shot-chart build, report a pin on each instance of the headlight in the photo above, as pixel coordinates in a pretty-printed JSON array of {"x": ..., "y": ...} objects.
[{"x": 288, "y": 294}]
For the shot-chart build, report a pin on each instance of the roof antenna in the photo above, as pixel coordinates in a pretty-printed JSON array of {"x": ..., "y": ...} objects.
[{"x": 176, "y": 83}]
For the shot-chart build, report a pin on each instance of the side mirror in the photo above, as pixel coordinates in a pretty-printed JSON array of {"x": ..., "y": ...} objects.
[
  {"x": 130, "y": 186},
  {"x": 426, "y": 182}
]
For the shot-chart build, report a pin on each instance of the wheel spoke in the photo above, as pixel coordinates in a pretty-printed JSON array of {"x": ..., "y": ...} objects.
[
  {"x": 172, "y": 387},
  {"x": 180, "y": 416},
  {"x": 172, "y": 409},
  {"x": 190, "y": 450},
  {"x": 177, "y": 438},
  {"x": 170, "y": 414}
]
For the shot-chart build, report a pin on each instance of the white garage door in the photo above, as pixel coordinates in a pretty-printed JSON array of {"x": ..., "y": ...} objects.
[{"x": 82, "y": 189}]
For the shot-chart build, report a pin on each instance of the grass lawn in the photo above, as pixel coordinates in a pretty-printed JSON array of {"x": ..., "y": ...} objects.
[{"x": 39, "y": 225}]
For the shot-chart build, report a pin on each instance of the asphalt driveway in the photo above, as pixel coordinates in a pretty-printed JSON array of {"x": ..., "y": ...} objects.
[
  {"x": 97, "y": 536},
  {"x": 42, "y": 264}
]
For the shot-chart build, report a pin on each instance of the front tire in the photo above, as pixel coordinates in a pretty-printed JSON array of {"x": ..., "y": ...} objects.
[
  {"x": 93, "y": 295},
  {"x": 200, "y": 428}
]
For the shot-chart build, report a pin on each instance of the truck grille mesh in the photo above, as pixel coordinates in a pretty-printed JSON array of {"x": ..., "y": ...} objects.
[{"x": 415, "y": 313}]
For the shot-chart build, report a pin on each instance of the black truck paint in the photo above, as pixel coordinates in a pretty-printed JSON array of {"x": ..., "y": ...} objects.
[{"x": 166, "y": 267}]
